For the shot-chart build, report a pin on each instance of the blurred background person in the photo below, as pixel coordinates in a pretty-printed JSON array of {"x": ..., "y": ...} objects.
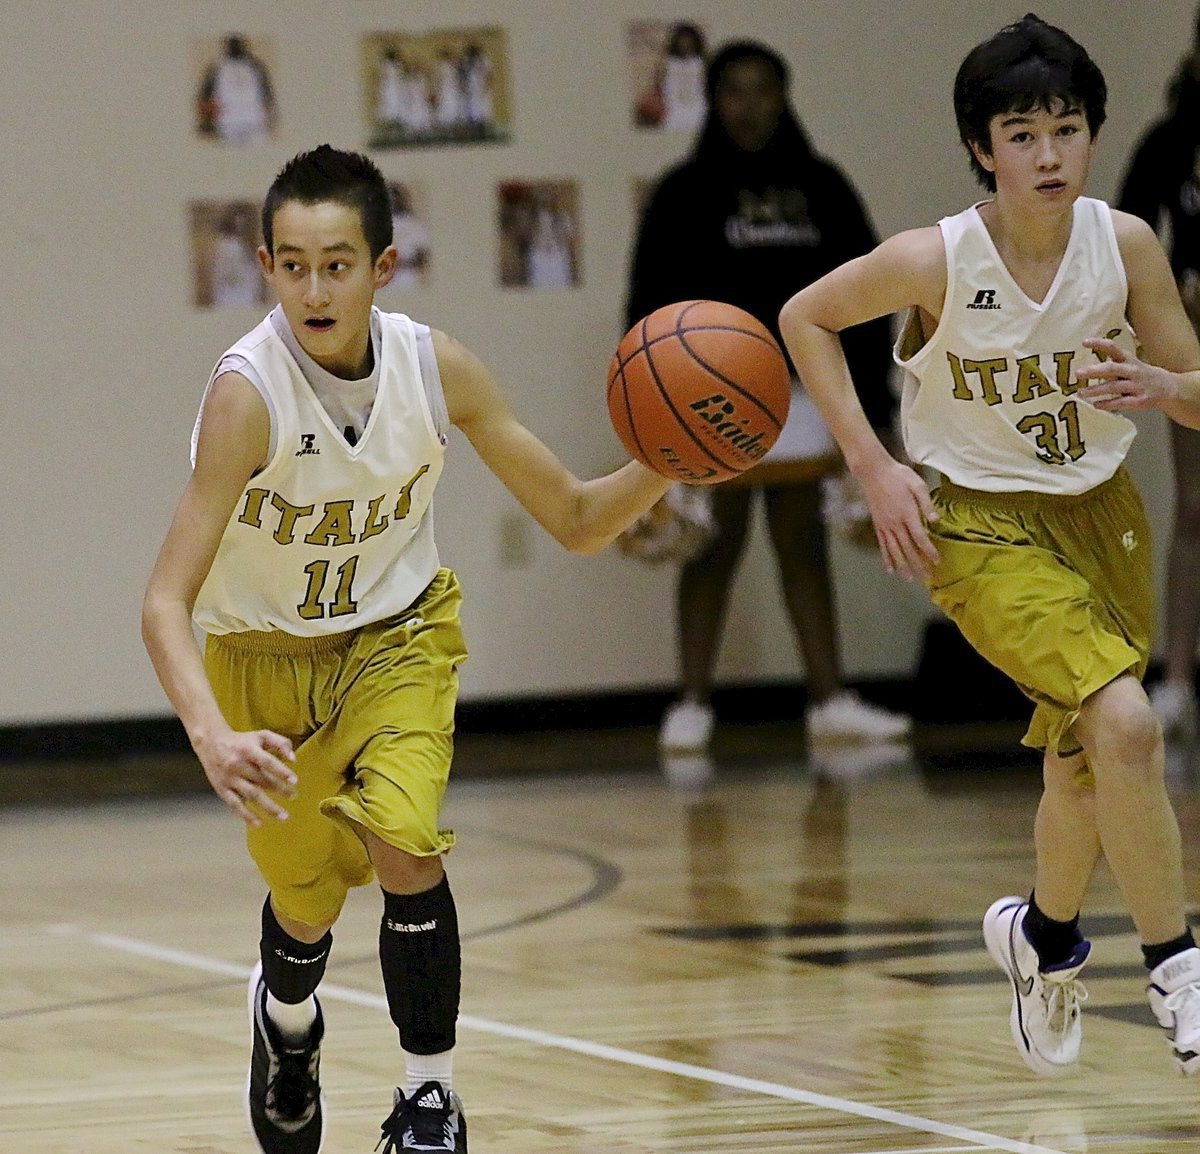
[
  {"x": 549, "y": 258},
  {"x": 750, "y": 217},
  {"x": 391, "y": 94},
  {"x": 449, "y": 104},
  {"x": 476, "y": 74},
  {"x": 1162, "y": 186}
]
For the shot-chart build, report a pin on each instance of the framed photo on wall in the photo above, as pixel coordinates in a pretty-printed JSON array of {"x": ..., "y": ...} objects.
[
  {"x": 448, "y": 86},
  {"x": 667, "y": 60},
  {"x": 234, "y": 94},
  {"x": 225, "y": 237},
  {"x": 539, "y": 234}
]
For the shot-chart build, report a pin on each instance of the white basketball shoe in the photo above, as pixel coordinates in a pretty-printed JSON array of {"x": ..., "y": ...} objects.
[{"x": 1045, "y": 1020}]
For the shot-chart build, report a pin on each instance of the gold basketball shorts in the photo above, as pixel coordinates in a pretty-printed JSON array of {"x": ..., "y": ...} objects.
[
  {"x": 370, "y": 713},
  {"x": 1055, "y": 591}
]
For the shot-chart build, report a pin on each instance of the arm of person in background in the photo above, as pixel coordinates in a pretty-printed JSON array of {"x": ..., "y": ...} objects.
[
  {"x": 665, "y": 256},
  {"x": 868, "y": 347},
  {"x": 1142, "y": 194},
  {"x": 242, "y": 768},
  {"x": 1141, "y": 186},
  {"x": 1166, "y": 373},
  {"x": 908, "y": 270},
  {"x": 583, "y": 516}
]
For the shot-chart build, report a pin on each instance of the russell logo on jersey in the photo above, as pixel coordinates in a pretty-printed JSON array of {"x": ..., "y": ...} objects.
[{"x": 984, "y": 299}]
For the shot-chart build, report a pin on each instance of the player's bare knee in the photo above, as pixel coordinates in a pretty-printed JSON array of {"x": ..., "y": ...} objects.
[
  {"x": 1128, "y": 734},
  {"x": 400, "y": 872},
  {"x": 304, "y": 931}
]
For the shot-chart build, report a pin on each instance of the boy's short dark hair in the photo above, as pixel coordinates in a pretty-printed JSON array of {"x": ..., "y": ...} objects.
[
  {"x": 1026, "y": 65},
  {"x": 329, "y": 174}
]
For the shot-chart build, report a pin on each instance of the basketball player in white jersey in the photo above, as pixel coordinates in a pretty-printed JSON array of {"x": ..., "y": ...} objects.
[
  {"x": 322, "y": 709},
  {"x": 1035, "y": 319}
]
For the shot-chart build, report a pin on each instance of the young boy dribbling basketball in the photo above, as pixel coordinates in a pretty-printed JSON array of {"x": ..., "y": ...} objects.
[
  {"x": 322, "y": 709},
  {"x": 1034, "y": 320}
]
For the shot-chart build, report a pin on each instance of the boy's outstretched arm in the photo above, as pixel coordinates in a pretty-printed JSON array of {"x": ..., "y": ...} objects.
[
  {"x": 583, "y": 516},
  {"x": 244, "y": 769},
  {"x": 907, "y": 270}
]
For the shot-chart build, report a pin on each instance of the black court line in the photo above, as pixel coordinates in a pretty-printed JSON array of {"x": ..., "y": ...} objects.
[
  {"x": 115, "y": 1000},
  {"x": 1094, "y": 926},
  {"x": 605, "y": 878},
  {"x": 928, "y": 948}
]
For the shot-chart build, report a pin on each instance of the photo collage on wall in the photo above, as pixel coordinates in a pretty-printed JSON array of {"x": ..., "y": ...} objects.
[
  {"x": 447, "y": 87},
  {"x": 450, "y": 86}
]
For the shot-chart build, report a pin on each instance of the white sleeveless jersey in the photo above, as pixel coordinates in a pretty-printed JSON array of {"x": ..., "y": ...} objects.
[
  {"x": 988, "y": 400},
  {"x": 330, "y": 536}
]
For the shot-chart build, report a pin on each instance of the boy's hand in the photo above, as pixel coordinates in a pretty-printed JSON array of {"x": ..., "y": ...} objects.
[
  {"x": 1121, "y": 382},
  {"x": 900, "y": 510},
  {"x": 245, "y": 768}
]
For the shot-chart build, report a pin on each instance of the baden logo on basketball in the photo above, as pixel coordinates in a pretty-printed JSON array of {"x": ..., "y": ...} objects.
[{"x": 729, "y": 426}]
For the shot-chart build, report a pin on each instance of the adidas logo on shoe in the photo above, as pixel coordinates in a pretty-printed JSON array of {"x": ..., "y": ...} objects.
[
  {"x": 431, "y": 1120},
  {"x": 434, "y": 1100}
]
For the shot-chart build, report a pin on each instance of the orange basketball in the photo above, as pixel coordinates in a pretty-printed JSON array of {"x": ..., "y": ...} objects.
[{"x": 698, "y": 391}]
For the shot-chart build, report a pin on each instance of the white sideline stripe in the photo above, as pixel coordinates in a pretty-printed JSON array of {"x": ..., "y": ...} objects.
[{"x": 594, "y": 1050}]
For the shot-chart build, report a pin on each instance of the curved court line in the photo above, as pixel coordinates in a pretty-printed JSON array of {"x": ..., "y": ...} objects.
[
  {"x": 605, "y": 878},
  {"x": 592, "y": 1050}
]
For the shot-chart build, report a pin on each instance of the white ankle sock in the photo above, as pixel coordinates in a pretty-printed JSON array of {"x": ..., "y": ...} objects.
[
  {"x": 293, "y": 1020},
  {"x": 422, "y": 1068}
]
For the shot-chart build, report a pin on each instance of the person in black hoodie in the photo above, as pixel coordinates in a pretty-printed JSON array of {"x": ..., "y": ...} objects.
[
  {"x": 752, "y": 214},
  {"x": 1162, "y": 186}
]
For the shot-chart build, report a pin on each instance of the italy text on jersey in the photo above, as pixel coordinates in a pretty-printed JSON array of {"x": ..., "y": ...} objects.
[{"x": 339, "y": 523}]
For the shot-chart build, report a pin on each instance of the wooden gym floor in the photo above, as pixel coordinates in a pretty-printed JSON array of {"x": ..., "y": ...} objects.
[{"x": 775, "y": 952}]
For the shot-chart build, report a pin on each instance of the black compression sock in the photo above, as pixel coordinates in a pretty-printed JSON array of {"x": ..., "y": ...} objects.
[
  {"x": 292, "y": 969},
  {"x": 421, "y": 959}
]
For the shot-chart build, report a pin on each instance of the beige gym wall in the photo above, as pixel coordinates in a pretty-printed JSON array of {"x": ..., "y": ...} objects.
[{"x": 104, "y": 357}]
